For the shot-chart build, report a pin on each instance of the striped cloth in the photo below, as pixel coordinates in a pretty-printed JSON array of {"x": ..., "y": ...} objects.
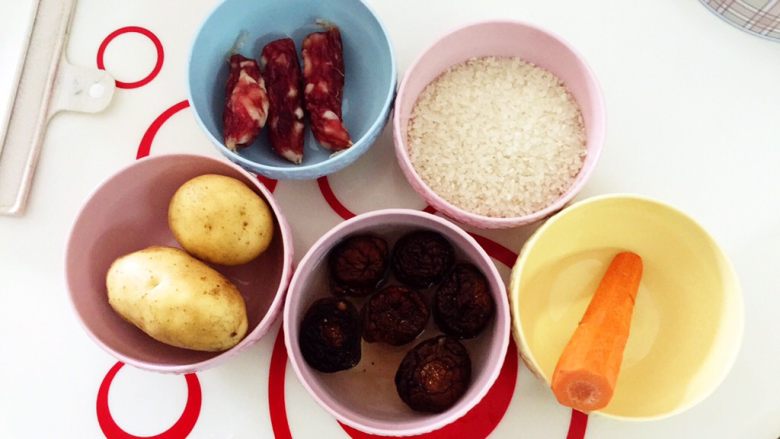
[{"x": 759, "y": 17}]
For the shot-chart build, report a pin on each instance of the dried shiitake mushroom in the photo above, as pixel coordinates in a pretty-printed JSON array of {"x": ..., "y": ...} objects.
[
  {"x": 395, "y": 315},
  {"x": 434, "y": 375},
  {"x": 330, "y": 335},
  {"x": 422, "y": 258},
  {"x": 358, "y": 265},
  {"x": 463, "y": 305}
]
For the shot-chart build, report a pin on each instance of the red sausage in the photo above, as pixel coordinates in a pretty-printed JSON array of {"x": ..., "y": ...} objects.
[
  {"x": 246, "y": 103},
  {"x": 323, "y": 72},
  {"x": 282, "y": 75}
]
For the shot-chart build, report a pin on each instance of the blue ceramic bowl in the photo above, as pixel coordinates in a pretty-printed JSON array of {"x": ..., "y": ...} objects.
[{"x": 369, "y": 86}]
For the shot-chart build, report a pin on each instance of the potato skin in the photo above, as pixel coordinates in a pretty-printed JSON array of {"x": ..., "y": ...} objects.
[
  {"x": 177, "y": 299},
  {"x": 220, "y": 220}
]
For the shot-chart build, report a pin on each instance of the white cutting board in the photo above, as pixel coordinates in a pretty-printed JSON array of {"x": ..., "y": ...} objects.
[{"x": 16, "y": 20}]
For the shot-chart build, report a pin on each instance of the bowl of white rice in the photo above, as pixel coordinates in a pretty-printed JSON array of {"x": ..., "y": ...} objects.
[{"x": 499, "y": 124}]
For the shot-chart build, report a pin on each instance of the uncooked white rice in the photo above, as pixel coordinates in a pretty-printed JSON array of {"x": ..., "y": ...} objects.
[{"x": 498, "y": 137}]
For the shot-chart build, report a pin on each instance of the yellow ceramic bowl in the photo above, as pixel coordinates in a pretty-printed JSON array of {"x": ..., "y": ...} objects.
[{"x": 688, "y": 319}]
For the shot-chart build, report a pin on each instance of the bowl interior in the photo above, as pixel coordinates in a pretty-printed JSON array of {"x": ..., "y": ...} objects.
[
  {"x": 504, "y": 39},
  {"x": 687, "y": 321},
  {"x": 365, "y": 396},
  {"x": 369, "y": 83},
  {"x": 129, "y": 212}
]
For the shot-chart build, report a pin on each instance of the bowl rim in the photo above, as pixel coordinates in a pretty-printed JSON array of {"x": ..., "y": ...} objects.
[
  {"x": 516, "y": 276},
  {"x": 252, "y": 336},
  {"x": 337, "y": 160},
  {"x": 483, "y": 221},
  {"x": 502, "y": 308}
]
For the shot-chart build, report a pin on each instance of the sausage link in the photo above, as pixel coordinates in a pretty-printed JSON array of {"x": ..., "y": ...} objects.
[
  {"x": 282, "y": 75},
  {"x": 246, "y": 103},
  {"x": 323, "y": 73}
]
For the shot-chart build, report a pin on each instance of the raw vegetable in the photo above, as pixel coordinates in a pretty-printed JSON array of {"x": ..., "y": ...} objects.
[
  {"x": 588, "y": 368},
  {"x": 177, "y": 299},
  {"x": 219, "y": 219}
]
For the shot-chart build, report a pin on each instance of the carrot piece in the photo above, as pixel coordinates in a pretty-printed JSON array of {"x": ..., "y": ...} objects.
[{"x": 588, "y": 368}]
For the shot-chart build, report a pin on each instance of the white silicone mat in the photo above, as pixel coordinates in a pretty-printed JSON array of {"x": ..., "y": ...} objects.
[{"x": 692, "y": 119}]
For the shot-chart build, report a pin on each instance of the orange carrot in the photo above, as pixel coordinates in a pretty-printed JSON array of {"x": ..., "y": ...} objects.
[{"x": 588, "y": 368}]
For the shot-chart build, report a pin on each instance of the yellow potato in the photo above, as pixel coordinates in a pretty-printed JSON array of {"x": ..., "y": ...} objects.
[
  {"x": 220, "y": 220},
  {"x": 177, "y": 299}
]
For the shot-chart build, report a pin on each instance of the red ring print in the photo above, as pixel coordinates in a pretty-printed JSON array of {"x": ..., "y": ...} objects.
[
  {"x": 336, "y": 205},
  {"x": 496, "y": 250},
  {"x": 269, "y": 183},
  {"x": 478, "y": 422},
  {"x": 332, "y": 200},
  {"x": 577, "y": 425},
  {"x": 180, "y": 429},
  {"x": 145, "y": 147},
  {"x": 276, "y": 404},
  {"x": 139, "y": 30},
  {"x": 481, "y": 420}
]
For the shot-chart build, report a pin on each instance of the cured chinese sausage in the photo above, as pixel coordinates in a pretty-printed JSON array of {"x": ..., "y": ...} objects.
[
  {"x": 282, "y": 75},
  {"x": 323, "y": 72},
  {"x": 246, "y": 103}
]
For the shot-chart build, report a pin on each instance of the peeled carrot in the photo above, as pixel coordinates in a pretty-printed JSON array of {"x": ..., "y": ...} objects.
[{"x": 588, "y": 368}]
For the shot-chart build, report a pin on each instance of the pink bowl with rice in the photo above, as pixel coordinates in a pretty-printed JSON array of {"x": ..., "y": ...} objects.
[{"x": 501, "y": 39}]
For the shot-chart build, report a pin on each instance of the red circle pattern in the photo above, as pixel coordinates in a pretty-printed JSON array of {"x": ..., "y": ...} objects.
[
  {"x": 145, "y": 147},
  {"x": 189, "y": 417},
  {"x": 481, "y": 420},
  {"x": 578, "y": 424},
  {"x": 269, "y": 183},
  {"x": 579, "y": 421},
  {"x": 332, "y": 200},
  {"x": 478, "y": 422},
  {"x": 277, "y": 406},
  {"x": 180, "y": 429},
  {"x": 139, "y": 30}
]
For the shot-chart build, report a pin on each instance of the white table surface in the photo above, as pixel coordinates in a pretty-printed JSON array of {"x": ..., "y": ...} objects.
[{"x": 693, "y": 119}]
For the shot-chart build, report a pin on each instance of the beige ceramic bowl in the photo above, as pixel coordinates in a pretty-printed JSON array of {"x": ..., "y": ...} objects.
[{"x": 688, "y": 319}]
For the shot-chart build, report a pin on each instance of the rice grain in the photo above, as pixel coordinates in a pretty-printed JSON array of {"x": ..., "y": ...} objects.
[{"x": 499, "y": 137}]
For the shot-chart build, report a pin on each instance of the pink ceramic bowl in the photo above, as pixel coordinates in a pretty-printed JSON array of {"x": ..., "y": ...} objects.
[
  {"x": 511, "y": 39},
  {"x": 129, "y": 212},
  {"x": 365, "y": 396}
]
